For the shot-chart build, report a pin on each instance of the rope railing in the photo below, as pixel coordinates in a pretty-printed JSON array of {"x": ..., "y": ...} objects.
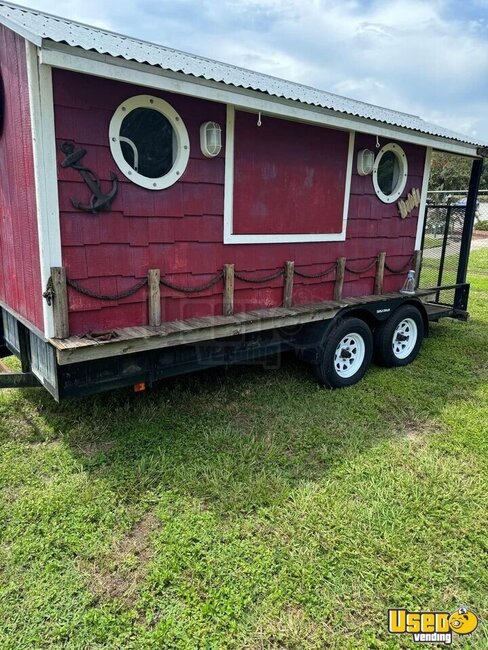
[
  {"x": 201, "y": 287},
  {"x": 105, "y": 296},
  {"x": 313, "y": 276},
  {"x": 363, "y": 270},
  {"x": 207, "y": 285},
  {"x": 56, "y": 290},
  {"x": 404, "y": 268},
  {"x": 267, "y": 278}
]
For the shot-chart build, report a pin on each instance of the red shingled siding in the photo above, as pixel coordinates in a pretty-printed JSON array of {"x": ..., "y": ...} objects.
[
  {"x": 20, "y": 283},
  {"x": 180, "y": 230}
]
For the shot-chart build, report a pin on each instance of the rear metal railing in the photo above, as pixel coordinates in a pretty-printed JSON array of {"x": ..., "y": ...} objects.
[
  {"x": 441, "y": 248},
  {"x": 441, "y": 253}
]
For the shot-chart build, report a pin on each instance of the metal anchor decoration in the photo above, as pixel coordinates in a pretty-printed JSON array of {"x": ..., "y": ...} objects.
[{"x": 99, "y": 202}]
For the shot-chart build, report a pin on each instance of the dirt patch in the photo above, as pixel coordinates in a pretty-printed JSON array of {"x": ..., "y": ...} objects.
[
  {"x": 119, "y": 573},
  {"x": 95, "y": 447},
  {"x": 409, "y": 425},
  {"x": 22, "y": 426},
  {"x": 417, "y": 430},
  {"x": 288, "y": 632},
  {"x": 10, "y": 494}
]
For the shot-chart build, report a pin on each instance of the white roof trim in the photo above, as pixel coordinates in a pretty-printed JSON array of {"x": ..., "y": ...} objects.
[
  {"x": 44, "y": 29},
  {"x": 69, "y": 58}
]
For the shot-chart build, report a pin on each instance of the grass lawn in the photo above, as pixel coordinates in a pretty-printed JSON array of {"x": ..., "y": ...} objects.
[
  {"x": 250, "y": 508},
  {"x": 429, "y": 274},
  {"x": 431, "y": 241}
]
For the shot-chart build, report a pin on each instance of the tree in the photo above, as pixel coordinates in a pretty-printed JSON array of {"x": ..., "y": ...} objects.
[
  {"x": 484, "y": 176},
  {"x": 449, "y": 173}
]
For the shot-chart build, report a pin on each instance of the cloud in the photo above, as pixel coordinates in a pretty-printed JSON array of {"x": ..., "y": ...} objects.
[{"x": 426, "y": 58}]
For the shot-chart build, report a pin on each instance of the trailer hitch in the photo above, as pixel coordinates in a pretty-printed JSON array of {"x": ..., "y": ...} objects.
[{"x": 99, "y": 202}]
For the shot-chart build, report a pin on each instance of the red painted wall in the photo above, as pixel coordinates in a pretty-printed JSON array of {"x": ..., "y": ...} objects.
[
  {"x": 20, "y": 283},
  {"x": 294, "y": 172},
  {"x": 180, "y": 230}
]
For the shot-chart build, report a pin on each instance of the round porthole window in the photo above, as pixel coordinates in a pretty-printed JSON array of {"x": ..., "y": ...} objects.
[
  {"x": 149, "y": 142},
  {"x": 390, "y": 172}
]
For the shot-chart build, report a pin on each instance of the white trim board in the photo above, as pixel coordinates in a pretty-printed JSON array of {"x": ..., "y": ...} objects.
[
  {"x": 283, "y": 238},
  {"x": 45, "y": 172},
  {"x": 103, "y": 65},
  {"x": 423, "y": 199}
]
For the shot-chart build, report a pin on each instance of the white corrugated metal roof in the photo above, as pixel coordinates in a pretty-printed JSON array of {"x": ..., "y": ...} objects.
[{"x": 38, "y": 27}]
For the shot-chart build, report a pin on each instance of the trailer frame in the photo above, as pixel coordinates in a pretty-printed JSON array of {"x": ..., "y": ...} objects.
[
  {"x": 67, "y": 369},
  {"x": 77, "y": 366}
]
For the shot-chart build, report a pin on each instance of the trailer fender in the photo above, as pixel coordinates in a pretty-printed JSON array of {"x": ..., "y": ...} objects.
[{"x": 378, "y": 312}]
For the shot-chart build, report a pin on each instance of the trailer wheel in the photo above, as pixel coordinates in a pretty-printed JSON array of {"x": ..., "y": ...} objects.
[
  {"x": 398, "y": 340},
  {"x": 346, "y": 354}
]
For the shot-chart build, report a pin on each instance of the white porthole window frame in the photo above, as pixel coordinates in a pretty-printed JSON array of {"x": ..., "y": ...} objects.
[
  {"x": 402, "y": 174},
  {"x": 181, "y": 142}
]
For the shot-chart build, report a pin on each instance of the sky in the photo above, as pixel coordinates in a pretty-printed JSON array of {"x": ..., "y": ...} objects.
[{"x": 425, "y": 58}]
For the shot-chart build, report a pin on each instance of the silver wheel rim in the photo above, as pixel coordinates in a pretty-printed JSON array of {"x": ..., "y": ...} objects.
[
  {"x": 349, "y": 355},
  {"x": 404, "y": 338}
]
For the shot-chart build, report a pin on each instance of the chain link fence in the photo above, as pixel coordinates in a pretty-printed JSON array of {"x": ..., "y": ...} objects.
[{"x": 458, "y": 198}]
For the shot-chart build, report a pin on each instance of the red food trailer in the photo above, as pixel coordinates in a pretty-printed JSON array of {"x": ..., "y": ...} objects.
[{"x": 162, "y": 212}]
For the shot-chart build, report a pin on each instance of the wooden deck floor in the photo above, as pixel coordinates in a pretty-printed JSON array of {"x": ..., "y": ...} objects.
[{"x": 136, "y": 339}]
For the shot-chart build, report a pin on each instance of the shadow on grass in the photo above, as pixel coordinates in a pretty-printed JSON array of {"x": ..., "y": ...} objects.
[{"x": 241, "y": 439}]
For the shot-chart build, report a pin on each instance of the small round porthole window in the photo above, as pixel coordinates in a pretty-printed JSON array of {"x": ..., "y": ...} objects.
[
  {"x": 149, "y": 142},
  {"x": 390, "y": 173}
]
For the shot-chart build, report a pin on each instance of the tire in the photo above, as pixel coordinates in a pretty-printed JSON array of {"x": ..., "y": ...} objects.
[
  {"x": 336, "y": 369},
  {"x": 391, "y": 349}
]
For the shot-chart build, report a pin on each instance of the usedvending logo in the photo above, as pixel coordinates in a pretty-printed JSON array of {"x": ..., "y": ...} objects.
[{"x": 432, "y": 627}]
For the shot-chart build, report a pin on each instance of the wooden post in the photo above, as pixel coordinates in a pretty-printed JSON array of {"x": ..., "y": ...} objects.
[
  {"x": 154, "y": 297},
  {"x": 417, "y": 263},
  {"x": 339, "y": 279},
  {"x": 380, "y": 272},
  {"x": 288, "y": 287},
  {"x": 60, "y": 302},
  {"x": 228, "y": 289}
]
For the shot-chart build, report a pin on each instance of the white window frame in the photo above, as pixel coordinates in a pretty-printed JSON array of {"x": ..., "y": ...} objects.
[
  {"x": 181, "y": 141},
  {"x": 279, "y": 238},
  {"x": 402, "y": 174}
]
